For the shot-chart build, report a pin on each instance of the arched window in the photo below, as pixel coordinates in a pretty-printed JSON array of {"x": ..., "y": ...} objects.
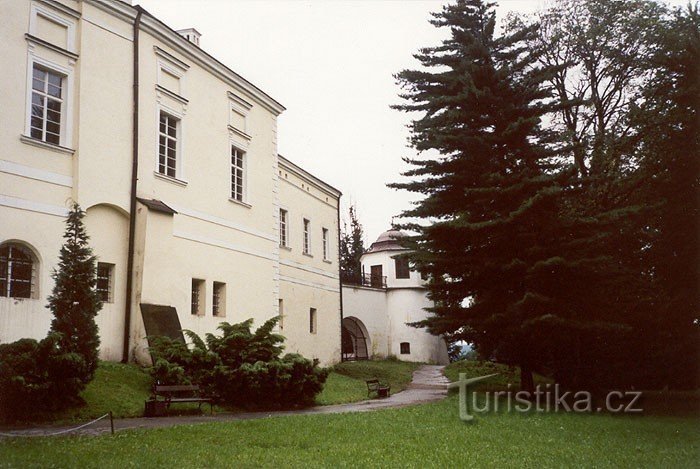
[{"x": 18, "y": 268}]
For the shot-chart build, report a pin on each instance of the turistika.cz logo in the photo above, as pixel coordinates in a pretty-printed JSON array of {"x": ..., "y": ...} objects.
[{"x": 547, "y": 398}]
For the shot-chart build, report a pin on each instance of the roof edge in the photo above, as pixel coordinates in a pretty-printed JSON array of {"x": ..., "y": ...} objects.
[
  {"x": 310, "y": 178},
  {"x": 173, "y": 39}
]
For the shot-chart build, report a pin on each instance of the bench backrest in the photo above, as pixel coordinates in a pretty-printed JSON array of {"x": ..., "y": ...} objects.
[
  {"x": 372, "y": 384},
  {"x": 176, "y": 388}
]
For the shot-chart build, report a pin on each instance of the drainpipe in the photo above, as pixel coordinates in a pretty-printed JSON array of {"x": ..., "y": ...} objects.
[
  {"x": 134, "y": 178},
  {"x": 340, "y": 284}
]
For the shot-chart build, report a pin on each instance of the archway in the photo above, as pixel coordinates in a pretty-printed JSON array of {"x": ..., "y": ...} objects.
[{"x": 356, "y": 342}]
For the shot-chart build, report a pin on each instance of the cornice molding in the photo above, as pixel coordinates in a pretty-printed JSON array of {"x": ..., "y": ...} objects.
[{"x": 38, "y": 41}]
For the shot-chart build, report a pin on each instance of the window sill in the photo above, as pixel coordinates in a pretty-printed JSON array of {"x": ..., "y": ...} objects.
[
  {"x": 246, "y": 205},
  {"x": 307, "y": 254},
  {"x": 49, "y": 146},
  {"x": 286, "y": 248},
  {"x": 327, "y": 261},
  {"x": 170, "y": 179}
]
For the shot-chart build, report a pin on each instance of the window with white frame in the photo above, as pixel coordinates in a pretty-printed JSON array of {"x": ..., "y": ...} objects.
[
  {"x": 18, "y": 268},
  {"x": 284, "y": 235},
  {"x": 167, "y": 144},
  {"x": 105, "y": 280},
  {"x": 325, "y": 243},
  {"x": 307, "y": 237},
  {"x": 237, "y": 174},
  {"x": 46, "y": 105}
]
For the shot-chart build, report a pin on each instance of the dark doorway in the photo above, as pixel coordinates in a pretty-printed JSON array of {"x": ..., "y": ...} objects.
[{"x": 355, "y": 341}]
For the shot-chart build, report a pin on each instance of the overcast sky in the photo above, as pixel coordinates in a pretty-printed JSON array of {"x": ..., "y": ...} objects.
[{"x": 330, "y": 63}]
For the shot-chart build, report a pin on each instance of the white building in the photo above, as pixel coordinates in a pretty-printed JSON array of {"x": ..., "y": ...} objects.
[
  {"x": 173, "y": 155},
  {"x": 378, "y": 307}
]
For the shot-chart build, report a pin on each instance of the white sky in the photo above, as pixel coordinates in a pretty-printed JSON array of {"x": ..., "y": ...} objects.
[{"x": 330, "y": 63}]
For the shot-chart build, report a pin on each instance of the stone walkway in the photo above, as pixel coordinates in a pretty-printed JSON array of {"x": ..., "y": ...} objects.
[{"x": 428, "y": 384}]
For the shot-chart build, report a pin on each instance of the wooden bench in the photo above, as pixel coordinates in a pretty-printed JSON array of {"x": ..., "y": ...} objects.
[
  {"x": 374, "y": 386},
  {"x": 174, "y": 394}
]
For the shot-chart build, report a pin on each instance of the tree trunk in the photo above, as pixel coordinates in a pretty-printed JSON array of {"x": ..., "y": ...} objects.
[{"x": 527, "y": 382}]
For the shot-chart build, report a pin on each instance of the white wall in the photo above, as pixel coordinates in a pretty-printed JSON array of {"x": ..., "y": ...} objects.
[{"x": 370, "y": 307}]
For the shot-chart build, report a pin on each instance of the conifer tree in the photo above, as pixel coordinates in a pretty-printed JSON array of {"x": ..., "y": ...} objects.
[
  {"x": 75, "y": 301},
  {"x": 352, "y": 247},
  {"x": 514, "y": 269}
]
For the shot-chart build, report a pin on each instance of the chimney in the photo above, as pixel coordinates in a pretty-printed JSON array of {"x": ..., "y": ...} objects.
[{"x": 191, "y": 35}]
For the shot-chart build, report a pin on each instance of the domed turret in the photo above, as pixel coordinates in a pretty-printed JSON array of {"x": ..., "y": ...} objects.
[{"x": 388, "y": 241}]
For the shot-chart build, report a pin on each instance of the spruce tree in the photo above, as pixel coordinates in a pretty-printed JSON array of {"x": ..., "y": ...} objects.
[
  {"x": 75, "y": 301},
  {"x": 352, "y": 248},
  {"x": 514, "y": 269}
]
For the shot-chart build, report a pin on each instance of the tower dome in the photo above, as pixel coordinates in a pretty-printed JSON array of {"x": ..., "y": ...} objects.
[{"x": 388, "y": 241}]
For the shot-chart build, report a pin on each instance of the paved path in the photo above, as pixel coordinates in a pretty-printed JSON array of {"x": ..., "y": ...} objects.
[{"x": 428, "y": 384}]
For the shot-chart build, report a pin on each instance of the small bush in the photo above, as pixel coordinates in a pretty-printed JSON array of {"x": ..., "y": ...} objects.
[
  {"x": 239, "y": 368},
  {"x": 37, "y": 376}
]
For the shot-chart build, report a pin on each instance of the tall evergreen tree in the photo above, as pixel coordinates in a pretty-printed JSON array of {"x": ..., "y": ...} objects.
[
  {"x": 75, "y": 301},
  {"x": 352, "y": 247},
  {"x": 666, "y": 146},
  {"x": 514, "y": 269}
]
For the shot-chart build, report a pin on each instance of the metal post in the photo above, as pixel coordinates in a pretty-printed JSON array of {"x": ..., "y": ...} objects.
[{"x": 111, "y": 421}]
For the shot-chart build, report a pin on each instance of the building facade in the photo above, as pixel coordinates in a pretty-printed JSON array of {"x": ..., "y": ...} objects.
[
  {"x": 174, "y": 158},
  {"x": 379, "y": 306}
]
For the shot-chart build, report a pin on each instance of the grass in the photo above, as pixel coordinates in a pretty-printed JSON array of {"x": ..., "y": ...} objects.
[
  {"x": 124, "y": 388},
  {"x": 346, "y": 383},
  {"x": 116, "y": 387},
  {"x": 506, "y": 374},
  {"x": 429, "y": 435}
]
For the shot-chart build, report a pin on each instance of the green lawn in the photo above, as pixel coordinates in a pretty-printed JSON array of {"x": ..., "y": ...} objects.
[
  {"x": 346, "y": 383},
  {"x": 425, "y": 435},
  {"x": 116, "y": 387},
  {"x": 506, "y": 375},
  {"x": 124, "y": 388}
]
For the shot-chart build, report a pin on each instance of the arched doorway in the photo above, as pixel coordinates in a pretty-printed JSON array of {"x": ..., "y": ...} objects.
[{"x": 356, "y": 344}]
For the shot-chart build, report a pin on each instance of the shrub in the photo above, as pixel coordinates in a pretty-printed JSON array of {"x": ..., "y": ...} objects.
[
  {"x": 239, "y": 367},
  {"x": 37, "y": 376}
]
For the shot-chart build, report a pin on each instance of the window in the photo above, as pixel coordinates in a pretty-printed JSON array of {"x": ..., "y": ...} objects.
[
  {"x": 167, "y": 145},
  {"x": 218, "y": 303},
  {"x": 307, "y": 240},
  {"x": 104, "y": 287},
  {"x": 312, "y": 321},
  {"x": 325, "y": 243},
  {"x": 197, "y": 308},
  {"x": 237, "y": 174},
  {"x": 402, "y": 269},
  {"x": 47, "y": 105},
  {"x": 17, "y": 272},
  {"x": 283, "y": 228},
  {"x": 280, "y": 312},
  {"x": 377, "y": 276},
  {"x": 405, "y": 348}
]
